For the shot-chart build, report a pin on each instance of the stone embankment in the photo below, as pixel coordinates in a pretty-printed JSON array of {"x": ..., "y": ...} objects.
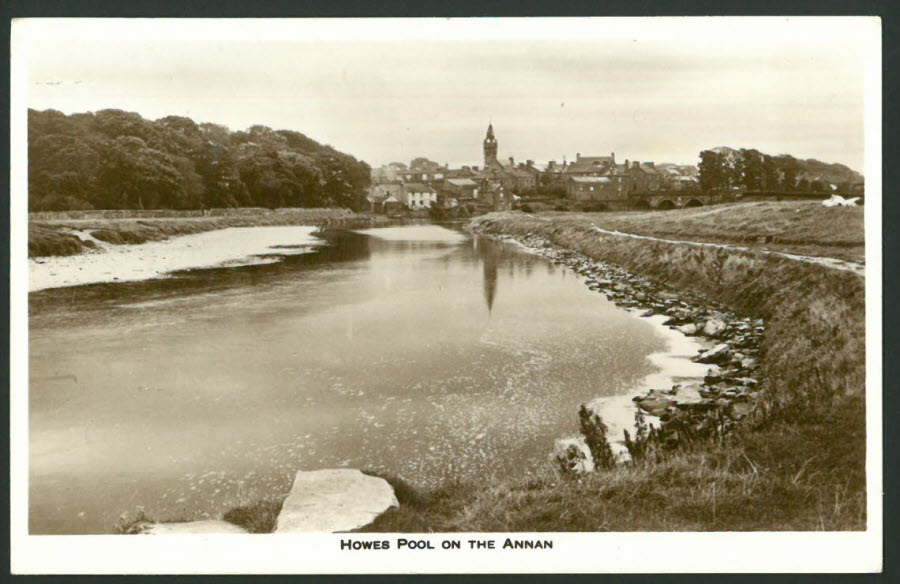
[{"x": 684, "y": 411}]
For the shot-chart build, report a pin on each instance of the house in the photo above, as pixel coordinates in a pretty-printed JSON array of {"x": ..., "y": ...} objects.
[
  {"x": 654, "y": 178},
  {"x": 463, "y": 172},
  {"x": 379, "y": 193},
  {"x": 391, "y": 205},
  {"x": 495, "y": 196},
  {"x": 431, "y": 175},
  {"x": 622, "y": 179},
  {"x": 416, "y": 196},
  {"x": 684, "y": 183},
  {"x": 388, "y": 172},
  {"x": 457, "y": 190},
  {"x": 589, "y": 165},
  {"x": 591, "y": 188}
]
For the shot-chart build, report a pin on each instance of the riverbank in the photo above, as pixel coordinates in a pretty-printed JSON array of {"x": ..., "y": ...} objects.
[
  {"x": 65, "y": 237},
  {"x": 795, "y": 462},
  {"x": 795, "y": 227}
]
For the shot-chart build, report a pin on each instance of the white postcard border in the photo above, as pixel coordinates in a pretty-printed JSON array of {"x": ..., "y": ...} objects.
[{"x": 572, "y": 552}]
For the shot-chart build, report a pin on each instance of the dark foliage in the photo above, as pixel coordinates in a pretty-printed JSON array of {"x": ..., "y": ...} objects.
[
  {"x": 113, "y": 159},
  {"x": 594, "y": 431},
  {"x": 724, "y": 169},
  {"x": 259, "y": 517}
]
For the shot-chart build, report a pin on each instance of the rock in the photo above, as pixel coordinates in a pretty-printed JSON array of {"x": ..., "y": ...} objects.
[
  {"x": 209, "y": 527},
  {"x": 334, "y": 500},
  {"x": 714, "y": 327},
  {"x": 654, "y": 403},
  {"x": 687, "y": 394},
  {"x": 678, "y": 317},
  {"x": 572, "y": 455},
  {"x": 718, "y": 355},
  {"x": 687, "y": 329}
]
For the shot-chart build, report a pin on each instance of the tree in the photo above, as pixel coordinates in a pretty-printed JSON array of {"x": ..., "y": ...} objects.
[
  {"x": 789, "y": 178},
  {"x": 424, "y": 164},
  {"x": 138, "y": 177},
  {"x": 770, "y": 175},
  {"x": 117, "y": 159},
  {"x": 751, "y": 169},
  {"x": 710, "y": 171}
]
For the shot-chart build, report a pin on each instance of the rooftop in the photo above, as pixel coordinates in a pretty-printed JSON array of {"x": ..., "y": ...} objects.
[
  {"x": 590, "y": 179},
  {"x": 418, "y": 187}
]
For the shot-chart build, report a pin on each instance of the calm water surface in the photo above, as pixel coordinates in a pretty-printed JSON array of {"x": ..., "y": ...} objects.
[{"x": 415, "y": 350}]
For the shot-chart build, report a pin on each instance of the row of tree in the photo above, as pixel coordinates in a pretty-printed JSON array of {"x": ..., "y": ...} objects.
[
  {"x": 112, "y": 159},
  {"x": 726, "y": 169}
]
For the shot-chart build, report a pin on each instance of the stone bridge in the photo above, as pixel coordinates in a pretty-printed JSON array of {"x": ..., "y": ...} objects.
[{"x": 673, "y": 199}]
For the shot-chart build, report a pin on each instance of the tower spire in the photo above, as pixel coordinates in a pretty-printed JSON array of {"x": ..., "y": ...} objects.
[{"x": 490, "y": 146}]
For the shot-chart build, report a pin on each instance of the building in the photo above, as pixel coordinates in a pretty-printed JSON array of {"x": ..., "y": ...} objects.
[
  {"x": 590, "y": 188},
  {"x": 513, "y": 178},
  {"x": 391, "y": 205},
  {"x": 388, "y": 173},
  {"x": 589, "y": 165},
  {"x": 684, "y": 183},
  {"x": 379, "y": 193},
  {"x": 456, "y": 191},
  {"x": 495, "y": 197},
  {"x": 431, "y": 175},
  {"x": 417, "y": 196}
]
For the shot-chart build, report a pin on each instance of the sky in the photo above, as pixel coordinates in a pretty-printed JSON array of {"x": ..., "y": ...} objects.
[{"x": 385, "y": 101}]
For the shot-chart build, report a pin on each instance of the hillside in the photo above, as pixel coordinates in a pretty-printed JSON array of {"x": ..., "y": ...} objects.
[{"x": 112, "y": 159}]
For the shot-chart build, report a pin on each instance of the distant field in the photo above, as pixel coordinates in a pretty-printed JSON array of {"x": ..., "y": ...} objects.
[{"x": 804, "y": 227}]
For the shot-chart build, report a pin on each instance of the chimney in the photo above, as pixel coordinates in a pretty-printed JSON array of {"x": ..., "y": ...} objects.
[
  {"x": 529, "y": 163},
  {"x": 551, "y": 165},
  {"x": 475, "y": 168},
  {"x": 512, "y": 161},
  {"x": 651, "y": 164},
  {"x": 626, "y": 164},
  {"x": 577, "y": 156},
  {"x": 635, "y": 164},
  {"x": 612, "y": 156}
]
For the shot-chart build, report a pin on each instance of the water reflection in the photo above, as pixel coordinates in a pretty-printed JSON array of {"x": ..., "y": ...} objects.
[{"x": 488, "y": 253}]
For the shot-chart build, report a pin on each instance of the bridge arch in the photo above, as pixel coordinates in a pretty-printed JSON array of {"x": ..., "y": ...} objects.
[
  {"x": 694, "y": 203},
  {"x": 666, "y": 204}
]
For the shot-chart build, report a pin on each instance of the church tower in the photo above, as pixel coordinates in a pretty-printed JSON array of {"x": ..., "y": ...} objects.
[{"x": 490, "y": 147}]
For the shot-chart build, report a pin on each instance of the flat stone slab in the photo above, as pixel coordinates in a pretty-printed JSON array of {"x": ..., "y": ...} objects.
[
  {"x": 209, "y": 527},
  {"x": 333, "y": 500}
]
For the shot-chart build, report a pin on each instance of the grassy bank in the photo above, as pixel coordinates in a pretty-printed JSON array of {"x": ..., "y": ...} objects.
[
  {"x": 797, "y": 464},
  {"x": 803, "y": 227},
  {"x": 55, "y": 237}
]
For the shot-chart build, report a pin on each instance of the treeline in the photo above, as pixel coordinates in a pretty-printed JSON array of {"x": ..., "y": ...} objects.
[
  {"x": 727, "y": 169},
  {"x": 112, "y": 159}
]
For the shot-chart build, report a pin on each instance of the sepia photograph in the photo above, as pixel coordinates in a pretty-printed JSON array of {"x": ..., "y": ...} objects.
[{"x": 442, "y": 295}]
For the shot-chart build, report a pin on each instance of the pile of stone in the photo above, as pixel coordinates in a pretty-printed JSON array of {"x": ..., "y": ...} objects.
[{"x": 697, "y": 409}]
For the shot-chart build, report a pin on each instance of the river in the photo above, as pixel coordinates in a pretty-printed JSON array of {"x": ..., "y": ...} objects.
[{"x": 418, "y": 350}]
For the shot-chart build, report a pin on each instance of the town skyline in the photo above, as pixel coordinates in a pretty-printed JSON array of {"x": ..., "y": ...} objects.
[{"x": 382, "y": 102}]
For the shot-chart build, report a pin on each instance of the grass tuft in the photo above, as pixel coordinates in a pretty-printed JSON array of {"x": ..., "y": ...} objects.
[{"x": 260, "y": 517}]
